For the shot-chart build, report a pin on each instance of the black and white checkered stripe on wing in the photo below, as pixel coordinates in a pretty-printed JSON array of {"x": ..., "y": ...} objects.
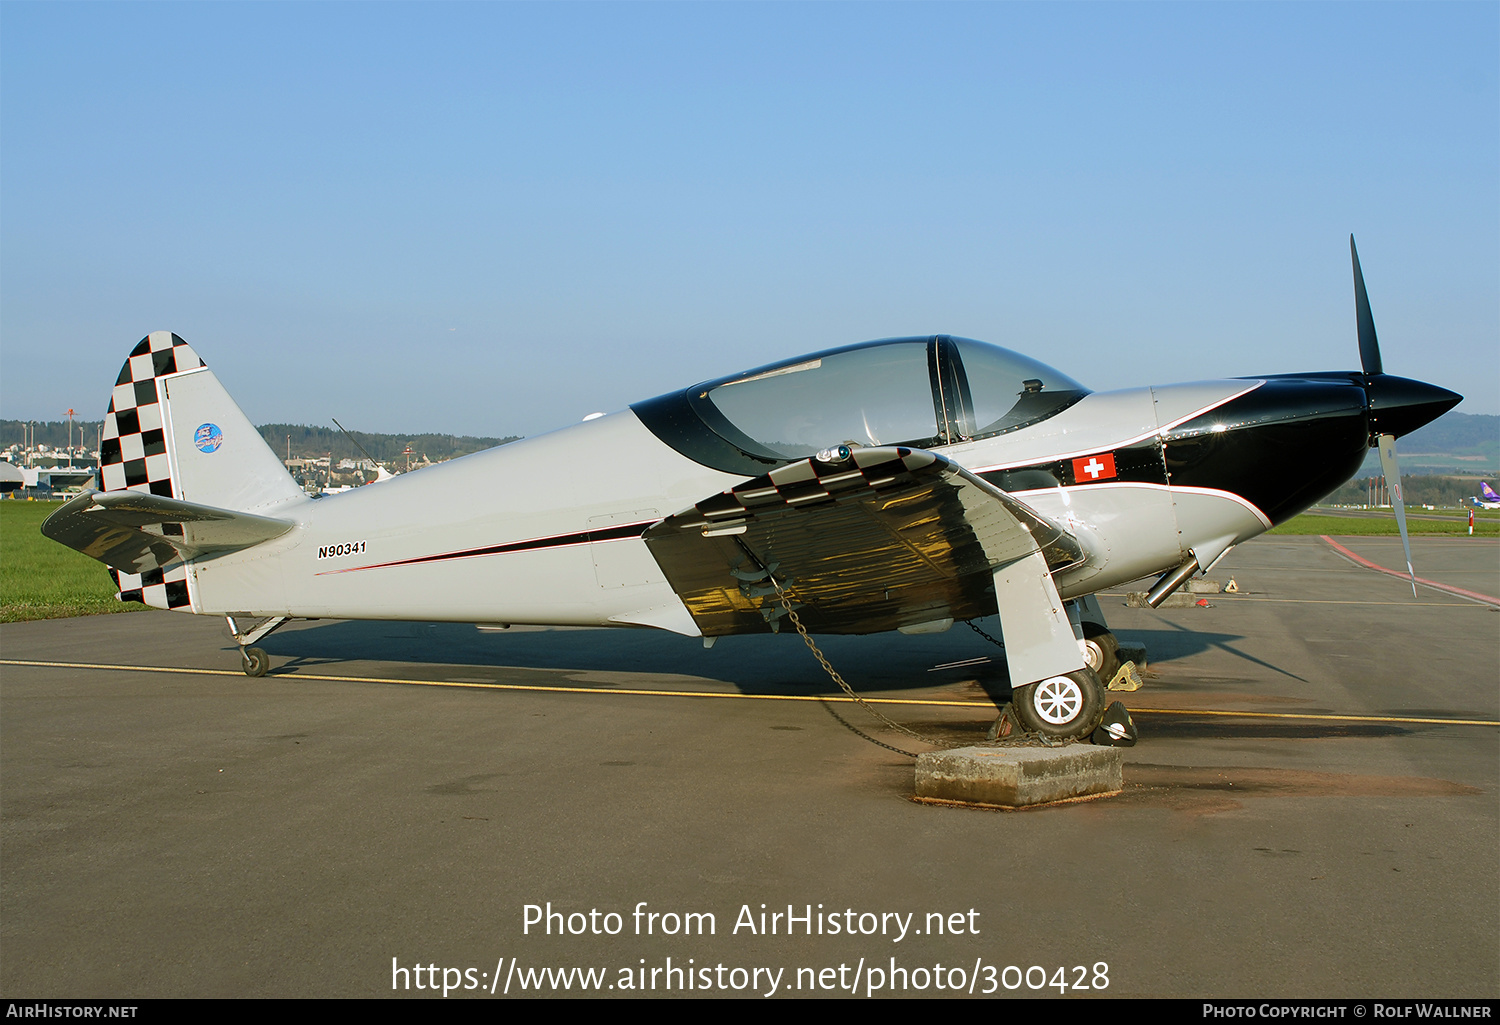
[
  {"x": 162, "y": 589},
  {"x": 133, "y": 447},
  {"x": 812, "y": 481}
]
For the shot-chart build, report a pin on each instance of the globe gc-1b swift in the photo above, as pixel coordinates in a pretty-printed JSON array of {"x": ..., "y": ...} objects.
[{"x": 902, "y": 484}]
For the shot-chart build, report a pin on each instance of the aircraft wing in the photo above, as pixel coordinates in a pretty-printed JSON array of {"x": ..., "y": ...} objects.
[
  {"x": 134, "y": 532},
  {"x": 883, "y": 539}
]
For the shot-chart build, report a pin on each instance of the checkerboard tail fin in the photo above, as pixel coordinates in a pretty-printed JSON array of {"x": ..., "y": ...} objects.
[{"x": 173, "y": 433}]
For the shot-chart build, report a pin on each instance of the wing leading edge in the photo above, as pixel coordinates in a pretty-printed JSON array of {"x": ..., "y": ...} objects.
[{"x": 868, "y": 539}]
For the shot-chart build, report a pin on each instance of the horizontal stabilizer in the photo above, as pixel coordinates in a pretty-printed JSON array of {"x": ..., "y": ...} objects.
[
  {"x": 869, "y": 539},
  {"x": 135, "y": 532}
]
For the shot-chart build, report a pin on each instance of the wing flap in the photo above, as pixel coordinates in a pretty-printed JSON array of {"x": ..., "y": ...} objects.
[
  {"x": 888, "y": 537},
  {"x": 136, "y": 532}
]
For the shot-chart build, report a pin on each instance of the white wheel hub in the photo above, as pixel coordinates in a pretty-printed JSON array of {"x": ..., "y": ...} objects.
[{"x": 1058, "y": 700}]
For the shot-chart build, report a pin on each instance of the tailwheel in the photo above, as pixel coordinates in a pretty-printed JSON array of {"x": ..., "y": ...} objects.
[
  {"x": 1065, "y": 707},
  {"x": 1101, "y": 649},
  {"x": 255, "y": 661}
]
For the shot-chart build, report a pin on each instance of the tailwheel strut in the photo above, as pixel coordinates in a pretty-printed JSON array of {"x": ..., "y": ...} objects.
[{"x": 255, "y": 661}]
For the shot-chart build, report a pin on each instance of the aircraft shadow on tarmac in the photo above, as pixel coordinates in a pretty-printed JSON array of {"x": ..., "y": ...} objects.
[
  {"x": 1190, "y": 728},
  {"x": 1178, "y": 643},
  {"x": 768, "y": 664},
  {"x": 781, "y": 664}
]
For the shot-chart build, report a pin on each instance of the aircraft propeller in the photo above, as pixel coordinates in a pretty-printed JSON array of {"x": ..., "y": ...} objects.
[{"x": 1396, "y": 405}]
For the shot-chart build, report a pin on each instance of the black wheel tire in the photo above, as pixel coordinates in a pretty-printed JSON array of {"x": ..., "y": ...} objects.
[
  {"x": 1065, "y": 707},
  {"x": 255, "y": 661},
  {"x": 1102, "y": 650}
]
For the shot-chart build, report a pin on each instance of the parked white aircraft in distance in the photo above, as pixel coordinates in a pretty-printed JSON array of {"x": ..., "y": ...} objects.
[
  {"x": 902, "y": 484},
  {"x": 1487, "y": 498}
]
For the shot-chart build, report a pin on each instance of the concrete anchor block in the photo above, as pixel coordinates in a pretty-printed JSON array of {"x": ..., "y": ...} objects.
[{"x": 1018, "y": 777}]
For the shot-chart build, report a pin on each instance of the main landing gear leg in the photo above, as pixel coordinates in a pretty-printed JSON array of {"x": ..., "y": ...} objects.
[
  {"x": 1063, "y": 699},
  {"x": 255, "y": 661},
  {"x": 1101, "y": 649}
]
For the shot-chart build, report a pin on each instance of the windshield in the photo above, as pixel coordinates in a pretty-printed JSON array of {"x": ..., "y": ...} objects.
[
  {"x": 922, "y": 392},
  {"x": 1007, "y": 390}
]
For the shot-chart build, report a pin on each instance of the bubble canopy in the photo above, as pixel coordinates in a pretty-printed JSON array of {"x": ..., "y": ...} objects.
[{"x": 923, "y": 392}]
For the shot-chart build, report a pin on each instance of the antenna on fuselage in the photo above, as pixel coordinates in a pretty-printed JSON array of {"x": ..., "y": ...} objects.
[{"x": 356, "y": 444}]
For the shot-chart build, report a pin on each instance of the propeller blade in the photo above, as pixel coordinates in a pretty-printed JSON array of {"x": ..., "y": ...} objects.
[
  {"x": 1369, "y": 346},
  {"x": 1393, "y": 484}
]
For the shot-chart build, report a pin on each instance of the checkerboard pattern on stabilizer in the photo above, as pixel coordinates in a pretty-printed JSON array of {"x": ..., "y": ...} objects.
[
  {"x": 133, "y": 452},
  {"x": 161, "y": 589}
]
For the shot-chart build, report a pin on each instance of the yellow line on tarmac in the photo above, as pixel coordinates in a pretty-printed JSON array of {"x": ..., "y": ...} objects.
[
  {"x": 1317, "y": 717},
  {"x": 551, "y": 688},
  {"x": 641, "y": 692}
]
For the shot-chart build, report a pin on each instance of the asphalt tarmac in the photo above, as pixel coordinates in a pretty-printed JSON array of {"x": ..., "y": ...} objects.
[{"x": 1312, "y": 810}]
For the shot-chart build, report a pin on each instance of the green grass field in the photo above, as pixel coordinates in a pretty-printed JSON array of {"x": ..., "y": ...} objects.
[
  {"x": 1454, "y": 523},
  {"x": 41, "y": 579}
]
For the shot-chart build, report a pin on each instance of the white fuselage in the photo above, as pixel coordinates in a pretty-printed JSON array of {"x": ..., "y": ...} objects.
[{"x": 520, "y": 533}]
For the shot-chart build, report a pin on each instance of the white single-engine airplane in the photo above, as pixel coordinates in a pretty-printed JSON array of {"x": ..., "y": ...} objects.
[{"x": 895, "y": 485}]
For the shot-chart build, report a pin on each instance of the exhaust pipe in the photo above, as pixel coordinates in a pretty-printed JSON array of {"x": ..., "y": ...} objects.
[{"x": 1171, "y": 581}]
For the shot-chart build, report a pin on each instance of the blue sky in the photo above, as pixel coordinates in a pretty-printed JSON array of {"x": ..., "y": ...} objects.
[{"x": 497, "y": 218}]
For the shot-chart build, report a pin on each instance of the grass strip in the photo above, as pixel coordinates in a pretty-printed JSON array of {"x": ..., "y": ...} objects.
[
  {"x": 1369, "y": 526},
  {"x": 41, "y": 579}
]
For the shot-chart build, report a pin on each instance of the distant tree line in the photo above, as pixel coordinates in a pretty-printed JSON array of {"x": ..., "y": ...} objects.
[
  {"x": 52, "y": 433},
  {"x": 1416, "y": 490},
  {"x": 306, "y": 441}
]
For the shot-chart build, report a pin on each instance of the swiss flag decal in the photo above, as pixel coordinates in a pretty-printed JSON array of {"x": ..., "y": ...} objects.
[{"x": 1092, "y": 468}]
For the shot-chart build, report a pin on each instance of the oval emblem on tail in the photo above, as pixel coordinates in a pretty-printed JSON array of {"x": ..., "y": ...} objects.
[{"x": 208, "y": 437}]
